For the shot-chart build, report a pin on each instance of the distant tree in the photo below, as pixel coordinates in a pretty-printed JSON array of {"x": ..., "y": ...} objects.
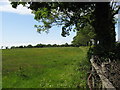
[
  {"x": 21, "y": 46},
  {"x": 66, "y": 44},
  {"x": 1, "y": 47},
  {"x": 62, "y": 45},
  {"x": 39, "y": 45},
  {"x": 54, "y": 45},
  {"x": 25, "y": 46},
  {"x": 49, "y": 45},
  {"x": 43, "y": 45},
  {"x": 29, "y": 46},
  {"x": 84, "y": 36},
  {"x": 6, "y": 47},
  {"x": 17, "y": 47},
  {"x": 13, "y": 47}
]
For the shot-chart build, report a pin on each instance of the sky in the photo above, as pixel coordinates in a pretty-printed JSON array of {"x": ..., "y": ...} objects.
[
  {"x": 118, "y": 27},
  {"x": 17, "y": 28}
]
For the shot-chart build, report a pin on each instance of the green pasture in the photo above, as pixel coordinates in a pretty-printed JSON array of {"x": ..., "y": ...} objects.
[{"x": 65, "y": 67}]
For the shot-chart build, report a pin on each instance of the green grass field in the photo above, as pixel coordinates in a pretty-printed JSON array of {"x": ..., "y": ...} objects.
[{"x": 45, "y": 67}]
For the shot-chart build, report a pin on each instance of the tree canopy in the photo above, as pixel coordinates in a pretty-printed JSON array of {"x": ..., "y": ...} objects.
[
  {"x": 75, "y": 16},
  {"x": 84, "y": 36},
  {"x": 68, "y": 14}
]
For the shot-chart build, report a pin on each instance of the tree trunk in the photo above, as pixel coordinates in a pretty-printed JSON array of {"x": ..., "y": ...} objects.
[
  {"x": 104, "y": 26},
  {"x": 105, "y": 82}
]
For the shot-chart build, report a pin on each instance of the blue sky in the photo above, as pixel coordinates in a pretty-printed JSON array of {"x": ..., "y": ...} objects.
[{"x": 17, "y": 28}]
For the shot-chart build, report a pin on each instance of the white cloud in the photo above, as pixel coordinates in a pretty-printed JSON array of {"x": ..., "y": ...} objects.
[
  {"x": 5, "y": 6},
  {"x": 4, "y": 1}
]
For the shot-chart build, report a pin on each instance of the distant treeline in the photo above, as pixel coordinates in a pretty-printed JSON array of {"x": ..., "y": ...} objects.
[{"x": 46, "y": 45}]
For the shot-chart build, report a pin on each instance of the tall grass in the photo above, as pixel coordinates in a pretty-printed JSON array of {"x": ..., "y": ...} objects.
[{"x": 45, "y": 67}]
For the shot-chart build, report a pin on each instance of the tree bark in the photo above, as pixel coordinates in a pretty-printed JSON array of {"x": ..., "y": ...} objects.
[
  {"x": 105, "y": 82},
  {"x": 104, "y": 26}
]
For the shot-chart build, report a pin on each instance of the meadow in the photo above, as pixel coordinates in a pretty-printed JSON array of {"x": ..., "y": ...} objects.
[{"x": 63, "y": 67}]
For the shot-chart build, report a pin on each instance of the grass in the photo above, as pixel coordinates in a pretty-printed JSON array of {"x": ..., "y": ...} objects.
[{"x": 45, "y": 67}]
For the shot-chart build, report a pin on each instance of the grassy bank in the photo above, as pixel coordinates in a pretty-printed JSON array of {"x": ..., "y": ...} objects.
[{"x": 45, "y": 67}]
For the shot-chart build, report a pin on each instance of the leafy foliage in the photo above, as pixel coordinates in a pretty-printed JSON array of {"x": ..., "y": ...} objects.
[
  {"x": 84, "y": 36},
  {"x": 76, "y": 16},
  {"x": 113, "y": 55},
  {"x": 59, "y": 13}
]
